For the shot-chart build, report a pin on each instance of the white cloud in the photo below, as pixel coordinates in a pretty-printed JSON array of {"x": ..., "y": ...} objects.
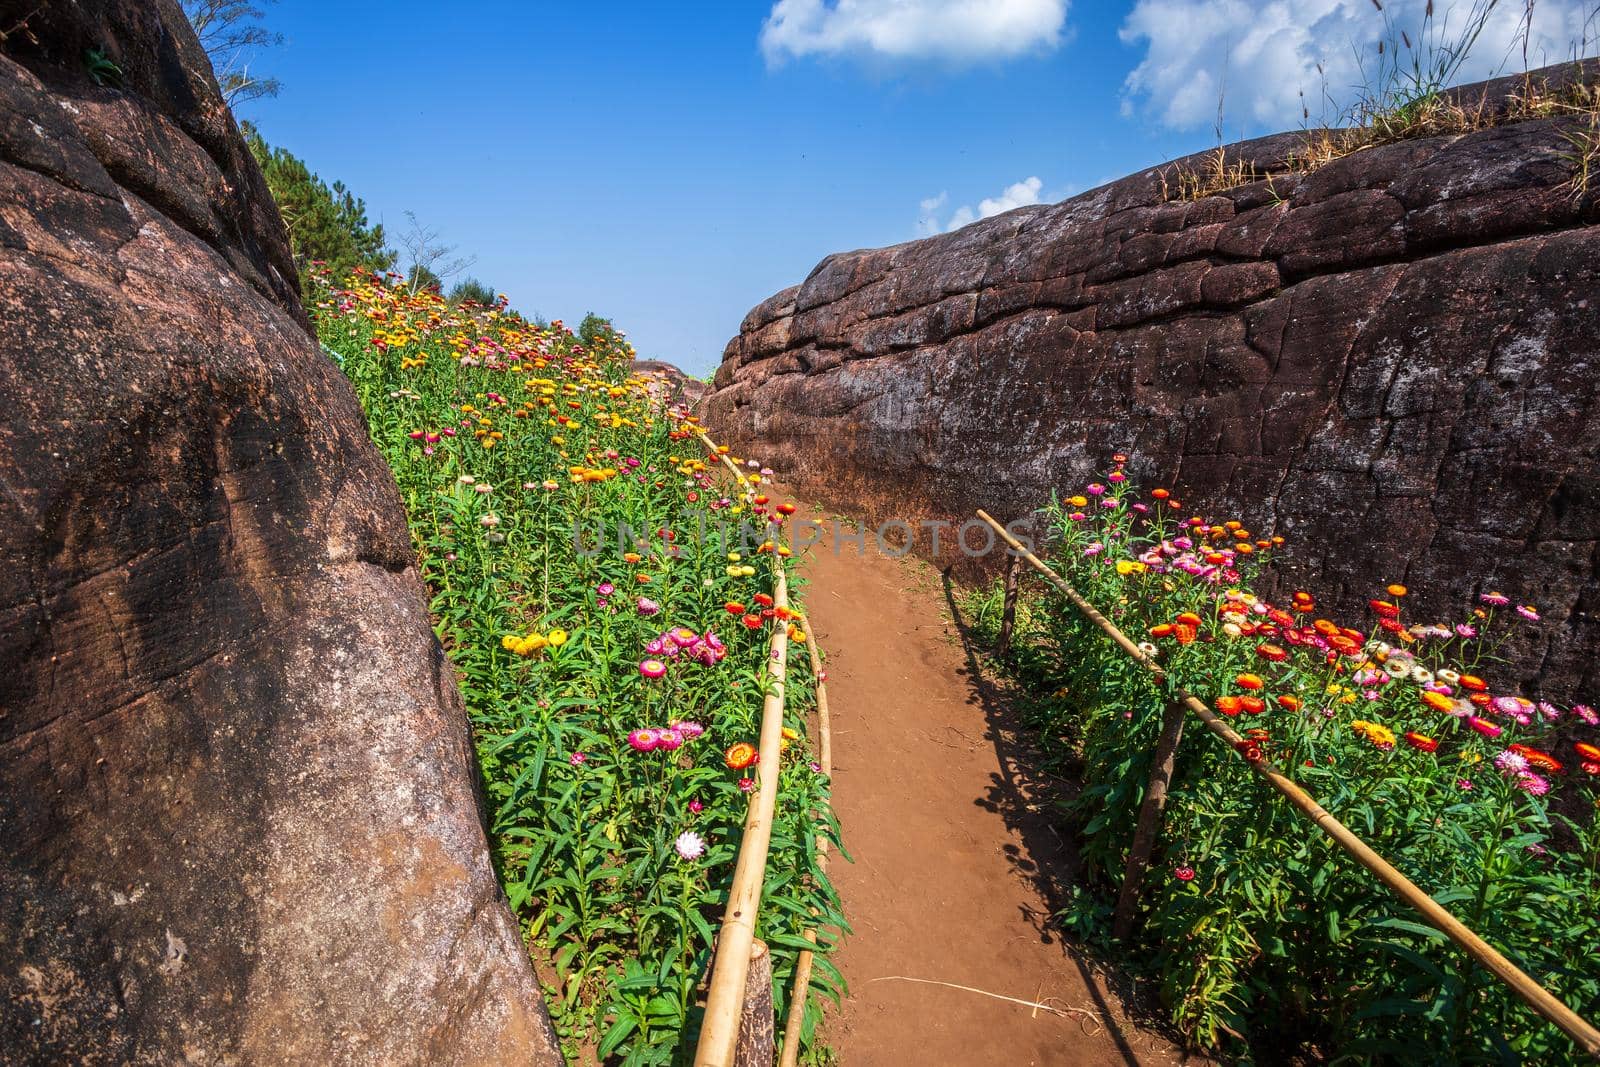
[
  {"x": 1017, "y": 194},
  {"x": 958, "y": 31},
  {"x": 1261, "y": 54}
]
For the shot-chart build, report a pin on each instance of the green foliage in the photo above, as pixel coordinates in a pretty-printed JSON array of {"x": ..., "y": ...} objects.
[
  {"x": 420, "y": 278},
  {"x": 1266, "y": 941},
  {"x": 509, "y": 448},
  {"x": 592, "y": 328},
  {"x": 474, "y": 290},
  {"x": 102, "y": 68},
  {"x": 327, "y": 224}
]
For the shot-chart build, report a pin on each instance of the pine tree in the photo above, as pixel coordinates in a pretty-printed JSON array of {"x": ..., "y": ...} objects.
[
  {"x": 474, "y": 290},
  {"x": 326, "y": 223}
]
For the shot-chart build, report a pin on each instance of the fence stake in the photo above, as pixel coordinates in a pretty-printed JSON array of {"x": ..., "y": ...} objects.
[
  {"x": 802, "y": 963},
  {"x": 1008, "y": 612},
  {"x": 1532, "y": 993},
  {"x": 1144, "y": 835},
  {"x": 757, "y": 1028}
]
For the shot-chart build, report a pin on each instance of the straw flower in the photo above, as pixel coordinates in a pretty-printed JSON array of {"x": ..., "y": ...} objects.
[
  {"x": 690, "y": 845},
  {"x": 1421, "y": 742}
]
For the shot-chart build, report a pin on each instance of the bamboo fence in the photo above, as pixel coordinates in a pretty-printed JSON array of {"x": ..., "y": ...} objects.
[
  {"x": 719, "y": 1032},
  {"x": 1531, "y": 992},
  {"x": 725, "y": 1034},
  {"x": 802, "y": 966}
]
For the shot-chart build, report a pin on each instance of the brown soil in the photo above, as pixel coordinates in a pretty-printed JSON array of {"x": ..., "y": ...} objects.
[{"x": 957, "y": 868}]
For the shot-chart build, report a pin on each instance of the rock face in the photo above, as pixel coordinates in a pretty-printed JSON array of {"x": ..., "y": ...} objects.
[
  {"x": 1393, "y": 360},
  {"x": 237, "y": 799},
  {"x": 676, "y": 386}
]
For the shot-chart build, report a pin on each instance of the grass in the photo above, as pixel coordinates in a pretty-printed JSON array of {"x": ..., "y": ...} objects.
[{"x": 1405, "y": 97}]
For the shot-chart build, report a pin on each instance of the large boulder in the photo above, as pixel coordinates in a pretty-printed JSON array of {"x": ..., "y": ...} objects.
[
  {"x": 237, "y": 795},
  {"x": 1393, "y": 360}
]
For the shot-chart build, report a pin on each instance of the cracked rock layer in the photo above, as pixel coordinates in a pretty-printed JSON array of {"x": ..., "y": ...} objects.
[
  {"x": 236, "y": 783},
  {"x": 1393, "y": 361}
]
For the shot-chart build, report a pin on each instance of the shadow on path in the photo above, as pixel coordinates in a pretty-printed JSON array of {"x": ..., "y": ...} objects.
[{"x": 1027, "y": 798}]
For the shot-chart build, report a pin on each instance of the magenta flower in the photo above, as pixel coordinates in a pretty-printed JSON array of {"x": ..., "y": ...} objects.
[
  {"x": 1484, "y": 727},
  {"x": 605, "y": 589},
  {"x": 1533, "y": 784},
  {"x": 1116, "y": 476},
  {"x": 652, "y": 668},
  {"x": 669, "y": 740},
  {"x": 747, "y": 785},
  {"x": 1527, "y": 612},
  {"x": 1498, "y": 600},
  {"x": 1506, "y": 706},
  {"x": 1586, "y": 713},
  {"x": 578, "y": 759},
  {"x": 648, "y": 606},
  {"x": 1463, "y": 630},
  {"x": 695, "y": 806},
  {"x": 1097, "y": 489},
  {"x": 643, "y": 740}
]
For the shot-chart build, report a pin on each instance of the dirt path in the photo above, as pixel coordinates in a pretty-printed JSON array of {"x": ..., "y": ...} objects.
[{"x": 955, "y": 867}]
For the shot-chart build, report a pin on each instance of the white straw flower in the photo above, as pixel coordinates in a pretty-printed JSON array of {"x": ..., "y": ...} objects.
[{"x": 690, "y": 845}]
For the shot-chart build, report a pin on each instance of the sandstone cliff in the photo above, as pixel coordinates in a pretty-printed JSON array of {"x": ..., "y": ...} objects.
[
  {"x": 1393, "y": 360},
  {"x": 236, "y": 786}
]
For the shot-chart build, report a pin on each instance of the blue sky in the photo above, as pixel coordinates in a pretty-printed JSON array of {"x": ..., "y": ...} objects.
[{"x": 671, "y": 165}]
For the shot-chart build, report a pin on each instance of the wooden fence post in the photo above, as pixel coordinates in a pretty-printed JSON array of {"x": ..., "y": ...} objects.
[
  {"x": 1144, "y": 834},
  {"x": 1008, "y": 613},
  {"x": 758, "y": 1037}
]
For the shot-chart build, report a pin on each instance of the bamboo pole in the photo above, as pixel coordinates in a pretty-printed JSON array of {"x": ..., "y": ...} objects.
[
  {"x": 1144, "y": 835},
  {"x": 803, "y": 962},
  {"x": 1531, "y": 992},
  {"x": 733, "y": 468},
  {"x": 719, "y": 1031}
]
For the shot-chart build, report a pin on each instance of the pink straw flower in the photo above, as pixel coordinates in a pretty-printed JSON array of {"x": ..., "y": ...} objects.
[
  {"x": 652, "y": 668},
  {"x": 1533, "y": 784},
  {"x": 643, "y": 739}
]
